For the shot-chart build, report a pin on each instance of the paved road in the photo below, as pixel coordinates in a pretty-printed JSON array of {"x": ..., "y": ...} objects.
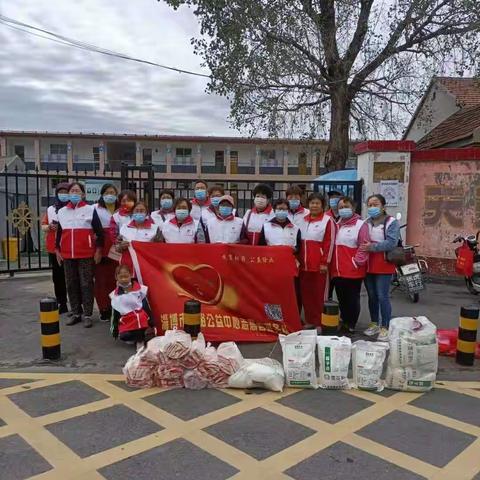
[{"x": 95, "y": 351}]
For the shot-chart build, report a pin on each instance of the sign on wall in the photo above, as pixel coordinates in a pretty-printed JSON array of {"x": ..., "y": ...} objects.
[
  {"x": 388, "y": 171},
  {"x": 390, "y": 189}
]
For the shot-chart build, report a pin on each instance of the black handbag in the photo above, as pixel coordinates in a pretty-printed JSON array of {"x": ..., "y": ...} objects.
[{"x": 397, "y": 255}]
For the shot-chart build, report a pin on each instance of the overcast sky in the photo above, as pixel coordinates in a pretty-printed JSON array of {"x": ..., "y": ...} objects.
[{"x": 47, "y": 86}]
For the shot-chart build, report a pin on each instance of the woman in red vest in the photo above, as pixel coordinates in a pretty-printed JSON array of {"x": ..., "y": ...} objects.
[
  {"x": 261, "y": 212},
  {"x": 349, "y": 263},
  {"x": 79, "y": 245},
  {"x": 106, "y": 206},
  {"x": 318, "y": 237},
  {"x": 49, "y": 226}
]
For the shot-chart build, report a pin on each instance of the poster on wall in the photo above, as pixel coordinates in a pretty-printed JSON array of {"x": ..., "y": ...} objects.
[
  {"x": 390, "y": 189},
  {"x": 388, "y": 171}
]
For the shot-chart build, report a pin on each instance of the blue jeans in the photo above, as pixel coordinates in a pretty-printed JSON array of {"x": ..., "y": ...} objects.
[{"x": 378, "y": 289}]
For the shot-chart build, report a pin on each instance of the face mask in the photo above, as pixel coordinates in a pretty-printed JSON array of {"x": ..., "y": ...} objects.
[
  {"x": 333, "y": 202},
  {"x": 139, "y": 217},
  {"x": 181, "y": 213},
  {"x": 215, "y": 201},
  {"x": 124, "y": 285},
  {"x": 260, "y": 202},
  {"x": 200, "y": 194},
  {"x": 281, "y": 214},
  {"x": 225, "y": 210},
  {"x": 110, "y": 199},
  {"x": 294, "y": 204},
  {"x": 374, "y": 212},
  {"x": 166, "y": 203},
  {"x": 75, "y": 198},
  {"x": 63, "y": 197},
  {"x": 345, "y": 212}
]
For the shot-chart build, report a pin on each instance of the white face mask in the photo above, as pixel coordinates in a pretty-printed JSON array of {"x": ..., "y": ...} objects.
[{"x": 260, "y": 202}]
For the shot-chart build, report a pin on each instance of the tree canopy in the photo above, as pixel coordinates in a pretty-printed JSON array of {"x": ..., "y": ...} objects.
[{"x": 346, "y": 67}]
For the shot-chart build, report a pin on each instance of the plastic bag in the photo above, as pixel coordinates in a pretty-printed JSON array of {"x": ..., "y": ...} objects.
[
  {"x": 193, "y": 380},
  {"x": 299, "y": 358},
  {"x": 259, "y": 373},
  {"x": 154, "y": 352},
  {"x": 413, "y": 359},
  {"x": 210, "y": 369},
  {"x": 334, "y": 358},
  {"x": 367, "y": 364},
  {"x": 138, "y": 374},
  {"x": 196, "y": 354},
  {"x": 229, "y": 357},
  {"x": 177, "y": 343},
  {"x": 447, "y": 343}
]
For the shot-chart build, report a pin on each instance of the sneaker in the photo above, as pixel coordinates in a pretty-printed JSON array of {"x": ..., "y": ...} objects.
[
  {"x": 74, "y": 319},
  {"x": 87, "y": 322},
  {"x": 105, "y": 316},
  {"x": 383, "y": 335},
  {"x": 372, "y": 330}
]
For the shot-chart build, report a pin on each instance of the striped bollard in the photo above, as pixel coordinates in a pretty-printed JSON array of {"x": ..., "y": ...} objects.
[
  {"x": 467, "y": 335},
  {"x": 330, "y": 318},
  {"x": 191, "y": 317},
  {"x": 50, "y": 328}
]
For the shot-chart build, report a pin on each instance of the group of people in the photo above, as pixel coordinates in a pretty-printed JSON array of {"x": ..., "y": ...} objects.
[{"x": 335, "y": 249}]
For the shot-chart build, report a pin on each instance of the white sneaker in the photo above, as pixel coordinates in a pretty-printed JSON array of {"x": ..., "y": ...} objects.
[
  {"x": 372, "y": 330},
  {"x": 383, "y": 335}
]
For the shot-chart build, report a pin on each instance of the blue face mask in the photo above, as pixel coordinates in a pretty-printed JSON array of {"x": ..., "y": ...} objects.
[
  {"x": 181, "y": 213},
  {"x": 63, "y": 197},
  {"x": 294, "y": 203},
  {"x": 216, "y": 201},
  {"x": 75, "y": 198},
  {"x": 109, "y": 199},
  {"x": 139, "y": 217},
  {"x": 345, "y": 212},
  {"x": 166, "y": 203},
  {"x": 200, "y": 194},
  {"x": 225, "y": 210},
  {"x": 333, "y": 202},
  {"x": 374, "y": 212},
  {"x": 281, "y": 214}
]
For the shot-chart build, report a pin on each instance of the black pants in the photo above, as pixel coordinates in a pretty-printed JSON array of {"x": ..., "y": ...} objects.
[
  {"x": 348, "y": 294},
  {"x": 79, "y": 277},
  {"x": 58, "y": 277}
]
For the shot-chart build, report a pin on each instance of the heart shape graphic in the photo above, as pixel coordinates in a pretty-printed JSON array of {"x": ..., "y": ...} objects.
[{"x": 201, "y": 282}]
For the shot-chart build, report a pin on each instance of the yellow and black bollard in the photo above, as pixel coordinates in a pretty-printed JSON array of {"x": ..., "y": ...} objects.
[
  {"x": 467, "y": 335},
  {"x": 330, "y": 318},
  {"x": 50, "y": 325},
  {"x": 191, "y": 317}
]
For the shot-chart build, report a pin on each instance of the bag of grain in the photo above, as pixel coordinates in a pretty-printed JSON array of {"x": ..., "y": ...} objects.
[
  {"x": 334, "y": 358},
  {"x": 299, "y": 358},
  {"x": 367, "y": 364}
]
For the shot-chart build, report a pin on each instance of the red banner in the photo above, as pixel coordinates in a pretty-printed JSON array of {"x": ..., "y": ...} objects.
[{"x": 247, "y": 293}]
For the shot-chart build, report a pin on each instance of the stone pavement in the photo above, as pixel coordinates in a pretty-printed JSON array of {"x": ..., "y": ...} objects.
[{"x": 91, "y": 426}]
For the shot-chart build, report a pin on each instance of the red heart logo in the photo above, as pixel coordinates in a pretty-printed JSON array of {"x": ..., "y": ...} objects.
[{"x": 201, "y": 282}]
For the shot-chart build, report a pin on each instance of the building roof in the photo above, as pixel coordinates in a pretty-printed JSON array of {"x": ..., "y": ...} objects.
[
  {"x": 465, "y": 90},
  {"x": 164, "y": 138},
  {"x": 458, "y": 126}
]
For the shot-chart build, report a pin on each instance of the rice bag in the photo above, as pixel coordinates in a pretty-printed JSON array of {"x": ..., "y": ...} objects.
[
  {"x": 334, "y": 358},
  {"x": 259, "y": 373},
  {"x": 367, "y": 364}
]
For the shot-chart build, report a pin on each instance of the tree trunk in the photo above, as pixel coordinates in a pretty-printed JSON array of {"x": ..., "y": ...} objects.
[{"x": 339, "y": 140}]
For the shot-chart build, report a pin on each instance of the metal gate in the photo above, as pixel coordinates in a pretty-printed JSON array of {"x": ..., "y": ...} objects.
[{"x": 352, "y": 189}]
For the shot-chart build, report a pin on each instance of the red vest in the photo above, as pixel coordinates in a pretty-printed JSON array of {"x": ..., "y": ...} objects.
[
  {"x": 78, "y": 238},
  {"x": 316, "y": 249},
  {"x": 105, "y": 218},
  {"x": 377, "y": 262},
  {"x": 130, "y": 307},
  {"x": 51, "y": 235},
  {"x": 254, "y": 222},
  {"x": 346, "y": 246}
]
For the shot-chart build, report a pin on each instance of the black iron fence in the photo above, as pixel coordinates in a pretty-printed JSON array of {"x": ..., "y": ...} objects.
[{"x": 26, "y": 194}]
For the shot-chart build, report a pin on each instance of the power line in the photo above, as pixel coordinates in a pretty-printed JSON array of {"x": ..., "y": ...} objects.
[{"x": 67, "y": 41}]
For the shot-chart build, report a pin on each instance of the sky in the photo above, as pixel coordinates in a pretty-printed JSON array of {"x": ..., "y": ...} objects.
[{"x": 47, "y": 86}]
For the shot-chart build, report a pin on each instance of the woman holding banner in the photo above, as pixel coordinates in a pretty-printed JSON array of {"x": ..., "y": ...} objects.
[
  {"x": 318, "y": 236},
  {"x": 182, "y": 228},
  {"x": 105, "y": 270}
]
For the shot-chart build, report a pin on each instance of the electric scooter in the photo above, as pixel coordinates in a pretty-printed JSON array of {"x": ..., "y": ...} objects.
[{"x": 471, "y": 241}]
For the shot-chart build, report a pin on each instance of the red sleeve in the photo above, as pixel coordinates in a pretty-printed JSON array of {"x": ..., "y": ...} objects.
[{"x": 328, "y": 243}]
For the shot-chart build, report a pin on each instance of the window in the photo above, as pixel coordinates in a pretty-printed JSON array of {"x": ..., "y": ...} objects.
[
  {"x": 96, "y": 154},
  {"x": 20, "y": 151},
  {"x": 268, "y": 158},
  {"x": 147, "y": 156},
  {"x": 58, "y": 152},
  {"x": 183, "y": 156}
]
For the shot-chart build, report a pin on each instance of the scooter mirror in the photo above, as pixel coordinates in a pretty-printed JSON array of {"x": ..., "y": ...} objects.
[{"x": 398, "y": 216}]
